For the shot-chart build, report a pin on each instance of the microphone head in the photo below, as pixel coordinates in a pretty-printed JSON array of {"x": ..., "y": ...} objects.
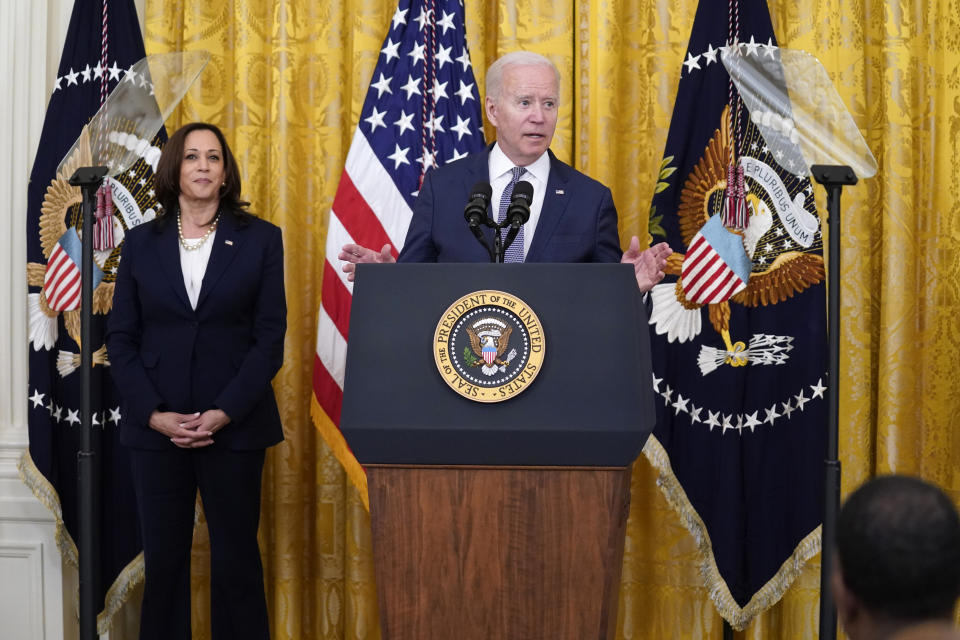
[
  {"x": 523, "y": 190},
  {"x": 519, "y": 211},
  {"x": 476, "y": 210},
  {"x": 481, "y": 190}
]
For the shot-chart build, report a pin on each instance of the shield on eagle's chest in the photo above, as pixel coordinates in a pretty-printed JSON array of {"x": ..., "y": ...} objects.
[
  {"x": 489, "y": 352},
  {"x": 716, "y": 266}
]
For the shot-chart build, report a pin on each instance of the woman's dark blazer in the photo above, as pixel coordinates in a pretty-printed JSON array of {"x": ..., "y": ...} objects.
[{"x": 165, "y": 355}]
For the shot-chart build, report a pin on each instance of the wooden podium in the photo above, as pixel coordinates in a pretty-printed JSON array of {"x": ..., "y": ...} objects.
[{"x": 498, "y": 520}]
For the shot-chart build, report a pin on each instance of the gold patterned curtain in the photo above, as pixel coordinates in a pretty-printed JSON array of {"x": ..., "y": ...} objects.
[{"x": 286, "y": 83}]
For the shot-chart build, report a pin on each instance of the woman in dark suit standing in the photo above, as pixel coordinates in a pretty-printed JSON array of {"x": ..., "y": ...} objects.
[{"x": 194, "y": 339}]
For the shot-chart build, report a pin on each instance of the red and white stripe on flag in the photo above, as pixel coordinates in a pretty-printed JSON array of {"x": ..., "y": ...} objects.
[
  {"x": 61, "y": 282},
  {"x": 706, "y": 277},
  {"x": 367, "y": 210}
]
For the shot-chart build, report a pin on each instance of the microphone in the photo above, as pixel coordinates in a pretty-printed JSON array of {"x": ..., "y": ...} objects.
[
  {"x": 519, "y": 210},
  {"x": 475, "y": 212}
]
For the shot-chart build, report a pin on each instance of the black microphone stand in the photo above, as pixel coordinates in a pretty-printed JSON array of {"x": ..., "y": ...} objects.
[
  {"x": 89, "y": 180},
  {"x": 474, "y": 225},
  {"x": 498, "y": 249},
  {"x": 500, "y": 245},
  {"x": 511, "y": 236},
  {"x": 516, "y": 217}
]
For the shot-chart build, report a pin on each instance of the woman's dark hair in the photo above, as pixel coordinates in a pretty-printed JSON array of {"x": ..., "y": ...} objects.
[{"x": 167, "y": 176}]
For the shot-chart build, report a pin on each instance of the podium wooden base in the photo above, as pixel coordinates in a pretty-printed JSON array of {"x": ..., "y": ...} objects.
[{"x": 494, "y": 552}]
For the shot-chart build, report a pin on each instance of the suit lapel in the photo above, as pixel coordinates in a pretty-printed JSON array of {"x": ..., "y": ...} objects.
[
  {"x": 555, "y": 202},
  {"x": 226, "y": 245},
  {"x": 168, "y": 250},
  {"x": 479, "y": 171}
]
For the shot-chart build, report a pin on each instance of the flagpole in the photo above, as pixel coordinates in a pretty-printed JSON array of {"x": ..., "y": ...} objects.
[
  {"x": 89, "y": 180},
  {"x": 727, "y": 631},
  {"x": 833, "y": 178}
]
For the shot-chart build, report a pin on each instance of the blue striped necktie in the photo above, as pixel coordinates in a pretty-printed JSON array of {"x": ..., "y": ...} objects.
[{"x": 515, "y": 251}]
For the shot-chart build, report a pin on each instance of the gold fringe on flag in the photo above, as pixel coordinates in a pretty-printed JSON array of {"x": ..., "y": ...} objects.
[
  {"x": 128, "y": 579},
  {"x": 335, "y": 440},
  {"x": 766, "y": 596}
]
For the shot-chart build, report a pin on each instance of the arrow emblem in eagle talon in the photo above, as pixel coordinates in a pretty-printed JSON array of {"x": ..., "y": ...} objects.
[
  {"x": 738, "y": 356},
  {"x": 510, "y": 356},
  {"x": 764, "y": 349}
]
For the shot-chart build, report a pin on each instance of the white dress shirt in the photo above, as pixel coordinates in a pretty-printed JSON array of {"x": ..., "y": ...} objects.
[
  {"x": 194, "y": 265},
  {"x": 499, "y": 168}
]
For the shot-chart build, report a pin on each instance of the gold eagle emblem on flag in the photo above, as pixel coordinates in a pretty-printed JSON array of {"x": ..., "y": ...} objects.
[{"x": 780, "y": 271}]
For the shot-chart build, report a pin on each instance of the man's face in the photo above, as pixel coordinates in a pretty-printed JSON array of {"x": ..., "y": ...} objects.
[{"x": 525, "y": 112}]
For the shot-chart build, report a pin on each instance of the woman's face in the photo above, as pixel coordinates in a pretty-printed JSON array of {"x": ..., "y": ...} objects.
[{"x": 201, "y": 168}]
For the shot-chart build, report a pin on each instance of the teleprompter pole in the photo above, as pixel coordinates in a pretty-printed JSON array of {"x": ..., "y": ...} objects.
[
  {"x": 833, "y": 178},
  {"x": 89, "y": 180}
]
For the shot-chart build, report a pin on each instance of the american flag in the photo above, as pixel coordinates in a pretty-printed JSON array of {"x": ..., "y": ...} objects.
[{"x": 422, "y": 110}]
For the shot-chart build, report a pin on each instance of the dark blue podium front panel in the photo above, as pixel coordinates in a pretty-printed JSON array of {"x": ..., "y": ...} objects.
[{"x": 590, "y": 405}]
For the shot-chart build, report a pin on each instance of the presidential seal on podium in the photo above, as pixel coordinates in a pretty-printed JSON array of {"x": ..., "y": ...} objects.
[{"x": 489, "y": 346}]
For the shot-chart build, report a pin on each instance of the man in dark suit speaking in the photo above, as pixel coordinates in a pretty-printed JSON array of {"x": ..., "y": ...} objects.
[{"x": 572, "y": 216}]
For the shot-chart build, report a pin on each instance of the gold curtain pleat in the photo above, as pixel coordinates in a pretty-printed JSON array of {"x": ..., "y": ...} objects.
[{"x": 286, "y": 83}]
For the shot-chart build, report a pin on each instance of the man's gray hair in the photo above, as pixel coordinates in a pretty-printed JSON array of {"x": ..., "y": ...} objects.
[{"x": 514, "y": 58}]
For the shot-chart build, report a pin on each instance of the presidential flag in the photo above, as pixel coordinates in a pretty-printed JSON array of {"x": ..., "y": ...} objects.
[
  {"x": 737, "y": 330},
  {"x": 422, "y": 110},
  {"x": 102, "y": 44}
]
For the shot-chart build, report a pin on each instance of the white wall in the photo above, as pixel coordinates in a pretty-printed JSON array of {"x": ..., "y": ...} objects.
[{"x": 36, "y": 601}]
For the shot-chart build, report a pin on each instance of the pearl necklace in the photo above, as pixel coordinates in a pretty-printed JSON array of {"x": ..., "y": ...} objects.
[{"x": 193, "y": 247}]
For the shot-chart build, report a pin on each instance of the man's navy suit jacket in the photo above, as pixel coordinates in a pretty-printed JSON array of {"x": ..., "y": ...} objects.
[
  {"x": 578, "y": 222},
  {"x": 165, "y": 355}
]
